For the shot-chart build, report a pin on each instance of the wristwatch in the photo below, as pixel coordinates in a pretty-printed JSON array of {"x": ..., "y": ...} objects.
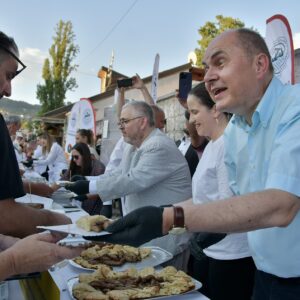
[{"x": 178, "y": 223}]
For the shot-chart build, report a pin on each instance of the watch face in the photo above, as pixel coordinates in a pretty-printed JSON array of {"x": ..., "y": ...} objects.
[{"x": 177, "y": 230}]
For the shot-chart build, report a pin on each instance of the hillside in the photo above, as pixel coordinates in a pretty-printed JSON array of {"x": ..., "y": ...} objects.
[{"x": 18, "y": 107}]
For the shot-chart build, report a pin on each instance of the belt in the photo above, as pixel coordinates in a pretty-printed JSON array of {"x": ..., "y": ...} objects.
[{"x": 282, "y": 280}]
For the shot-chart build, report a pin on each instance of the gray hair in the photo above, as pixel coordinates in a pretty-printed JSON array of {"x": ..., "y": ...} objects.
[
  {"x": 12, "y": 119},
  {"x": 143, "y": 109}
]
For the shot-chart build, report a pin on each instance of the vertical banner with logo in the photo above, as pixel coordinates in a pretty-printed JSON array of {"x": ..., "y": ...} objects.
[
  {"x": 82, "y": 116},
  {"x": 280, "y": 43},
  {"x": 154, "y": 82}
]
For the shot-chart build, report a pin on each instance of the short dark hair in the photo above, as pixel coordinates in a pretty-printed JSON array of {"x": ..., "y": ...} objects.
[
  {"x": 7, "y": 42},
  {"x": 201, "y": 93},
  {"x": 253, "y": 43}
]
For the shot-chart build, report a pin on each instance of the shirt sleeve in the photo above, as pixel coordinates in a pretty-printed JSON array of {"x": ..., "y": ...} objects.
[
  {"x": 51, "y": 157},
  {"x": 11, "y": 185},
  {"x": 283, "y": 165},
  {"x": 150, "y": 169}
]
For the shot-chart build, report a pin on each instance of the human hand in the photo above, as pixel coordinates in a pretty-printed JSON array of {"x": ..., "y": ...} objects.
[
  {"x": 136, "y": 228},
  {"x": 137, "y": 82},
  {"x": 181, "y": 101},
  {"x": 58, "y": 219},
  {"x": 75, "y": 178},
  {"x": 80, "y": 197},
  {"x": 39, "y": 252},
  {"x": 7, "y": 241},
  {"x": 79, "y": 187}
]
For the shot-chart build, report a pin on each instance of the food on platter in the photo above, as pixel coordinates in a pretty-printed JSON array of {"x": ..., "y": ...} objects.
[
  {"x": 111, "y": 255},
  {"x": 132, "y": 284},
  {"x": 93, "y": 223}
]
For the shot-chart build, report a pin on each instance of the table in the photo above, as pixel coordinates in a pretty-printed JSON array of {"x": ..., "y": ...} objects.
[{"x": 52, "y": 285}]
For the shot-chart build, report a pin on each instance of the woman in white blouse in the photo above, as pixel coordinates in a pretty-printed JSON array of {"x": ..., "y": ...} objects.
[
  {"x": 229, "y": 269},
  {"x": 54, "y": 157}
]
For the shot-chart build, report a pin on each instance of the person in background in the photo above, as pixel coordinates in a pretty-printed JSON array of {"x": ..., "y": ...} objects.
[
  {"x": 228, "y": 271},
  {"x": 37, "y": 252},
  {"x": 38, "y": 154},
  {"x": 13, "y": 124},
  {"x": 185, "y": 147},
  {"x": 20, "y": 147},
  {"x": 54, "y": 157},
  {"x": 83, "y": 164},
  {"x": 152, "y": 171},
  {"x": 87, "y": 136}
]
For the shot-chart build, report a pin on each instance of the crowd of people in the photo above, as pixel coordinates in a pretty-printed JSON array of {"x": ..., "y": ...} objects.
[{"x": 223, "y": 199}]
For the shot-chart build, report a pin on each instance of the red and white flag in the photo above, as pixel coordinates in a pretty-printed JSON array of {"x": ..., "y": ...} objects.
[{"x": 280, "y": 43}]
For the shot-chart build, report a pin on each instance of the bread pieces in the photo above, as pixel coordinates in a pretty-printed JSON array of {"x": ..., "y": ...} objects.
[{"x": 93, "y": 223}]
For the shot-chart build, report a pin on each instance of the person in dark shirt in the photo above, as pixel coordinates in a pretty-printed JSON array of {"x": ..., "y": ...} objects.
[
  {"x": 37, "y": 252},
  {"x": 15, "y": 219}
]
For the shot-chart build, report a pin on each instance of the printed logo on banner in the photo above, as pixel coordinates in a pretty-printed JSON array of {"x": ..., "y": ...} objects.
[
  {"x": 279, "y": 54},
  {"x": 87, "y": 116},
  {"x": 73, "y": 120}
]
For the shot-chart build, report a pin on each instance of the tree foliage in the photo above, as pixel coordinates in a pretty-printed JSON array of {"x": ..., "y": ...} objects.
[
  {"x": 58, "y": 68},
  {"x": 211, "y": 29}
]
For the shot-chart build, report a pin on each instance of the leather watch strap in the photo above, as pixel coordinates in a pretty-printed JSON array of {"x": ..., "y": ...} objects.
[{"x": 178, "y": 217}]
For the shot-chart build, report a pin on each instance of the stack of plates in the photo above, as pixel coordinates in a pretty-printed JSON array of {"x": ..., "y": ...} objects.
[{"x": 62, "y": 196}]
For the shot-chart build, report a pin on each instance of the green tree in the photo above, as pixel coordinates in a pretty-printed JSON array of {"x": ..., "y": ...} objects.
[
  {"x": 211, "y": 29},
  {"x": 58, "y": 68}
]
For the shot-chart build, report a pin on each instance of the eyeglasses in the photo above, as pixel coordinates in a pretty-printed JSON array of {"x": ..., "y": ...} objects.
[
  {"x": 124, "y": 122},
  {"x": 75, "y": 157},
  {"x": 16, "y": 58}
]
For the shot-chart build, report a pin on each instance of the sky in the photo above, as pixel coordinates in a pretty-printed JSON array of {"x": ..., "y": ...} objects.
[{"x": 134, "y": 29}]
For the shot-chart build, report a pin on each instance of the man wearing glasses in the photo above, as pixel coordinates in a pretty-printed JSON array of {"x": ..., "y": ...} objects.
[
  {"x": 152, "y": 171},
  {"x": 15, "y": 218},
  {"x": 36, "y": 252}
]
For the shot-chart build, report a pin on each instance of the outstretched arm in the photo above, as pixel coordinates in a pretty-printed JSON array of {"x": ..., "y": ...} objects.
[
  {"x": 139, "y": 84},
  {"x": 22, "y": 220},
  {"x": 34, "y": 254}
]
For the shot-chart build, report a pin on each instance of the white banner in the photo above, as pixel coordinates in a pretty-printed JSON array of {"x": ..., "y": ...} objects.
[
  {"x": 154, "y": 82},
  {"x": 280, "y": 43},
  {"x": 82, "y": 116}
]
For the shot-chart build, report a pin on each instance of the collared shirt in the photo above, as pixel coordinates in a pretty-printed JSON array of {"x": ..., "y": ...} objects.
[{"x": 264, "y": 156}]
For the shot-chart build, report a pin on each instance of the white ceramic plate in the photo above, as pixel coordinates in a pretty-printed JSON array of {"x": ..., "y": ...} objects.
[
  {"x": 73, "y": 229},
  {"x": 157, "y": 257},
  {"x": 74, "y": 280}
]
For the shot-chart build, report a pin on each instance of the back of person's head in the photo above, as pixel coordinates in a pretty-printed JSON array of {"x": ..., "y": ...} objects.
[
  {"x": 88, "y": 134},
  {"x": 7, "y": 44},
  {"x": 86, "y": 159},
  {"x": 159, "y": 116},
  {"x": 253, "y": 43},
  {"x": 12, "y": 119},
  {"x": 142, "y": 109}
]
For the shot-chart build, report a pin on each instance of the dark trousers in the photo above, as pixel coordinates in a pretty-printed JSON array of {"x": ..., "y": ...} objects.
[
  {"x": 270, "y": 287},
  {"x": 226, "y": 279}
]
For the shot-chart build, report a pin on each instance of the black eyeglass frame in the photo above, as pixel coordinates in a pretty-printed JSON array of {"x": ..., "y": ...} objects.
[{"x": 16, "y": 58}]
